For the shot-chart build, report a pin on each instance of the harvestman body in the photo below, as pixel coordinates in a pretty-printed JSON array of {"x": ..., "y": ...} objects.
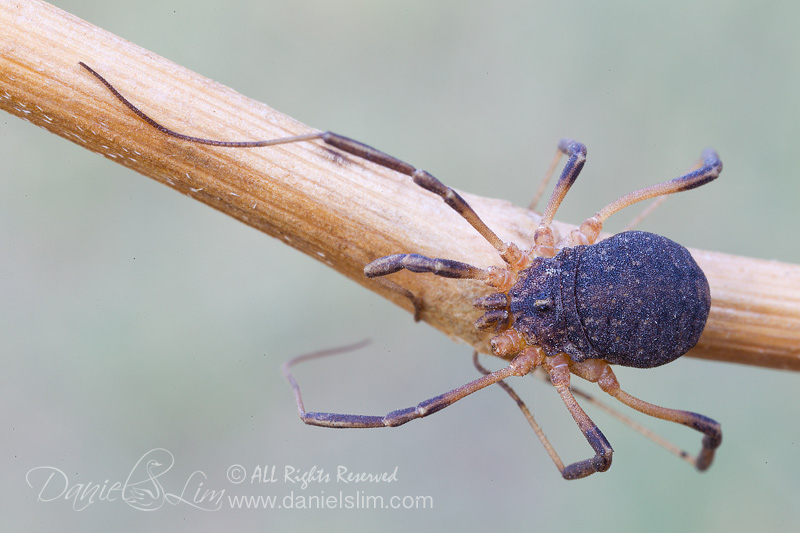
[{"x": 575, "y": 306}]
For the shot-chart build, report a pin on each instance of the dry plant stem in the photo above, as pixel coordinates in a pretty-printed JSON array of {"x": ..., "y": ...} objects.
[{"x": 338, "y": 209}]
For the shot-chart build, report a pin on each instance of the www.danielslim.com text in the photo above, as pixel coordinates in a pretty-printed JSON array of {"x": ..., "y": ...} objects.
[{"x": 335, "y": 500}]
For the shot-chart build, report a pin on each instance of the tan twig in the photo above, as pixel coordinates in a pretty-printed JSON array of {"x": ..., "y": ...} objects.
[{"x": 339, "y": 210}]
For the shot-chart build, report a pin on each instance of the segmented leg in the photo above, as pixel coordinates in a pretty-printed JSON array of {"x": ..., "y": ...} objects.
[
  {"x": 519, "y": 366},
  {"x": 646, "y": 212},
  {"x": 543, "y": 237},
  {"x": 545, "y": 180},
  {"x": 172, "y": 133},
  {"x": 639, "y": 428},
  {"x": 420, "y": 177},
  {"x": 419, "y": 263},
  {"x": 577, "y": 158},
  {"x": 526, "y": 412},
  {"x": 600, "y": 372},
  {"x": 447, "y": 268},
  {"x": 708, "y": 169},
  {"x": 509, "y": 251},
  {"x": 558, "y": 369},
  {"x": 636, "y": 426},
  {"x": 658, "y": 201}
]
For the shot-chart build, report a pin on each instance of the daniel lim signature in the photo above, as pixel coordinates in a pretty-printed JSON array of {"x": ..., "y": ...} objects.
[{"x": 143, "y": 489}]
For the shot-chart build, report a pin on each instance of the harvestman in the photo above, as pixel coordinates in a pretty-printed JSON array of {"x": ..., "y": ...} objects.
[{"x": 575, "y": 306}]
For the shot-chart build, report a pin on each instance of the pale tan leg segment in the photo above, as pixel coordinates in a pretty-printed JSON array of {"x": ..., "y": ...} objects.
[
  {"x": 600, "y": 372},
  {"x": 590, "y": 229},
  {"x": 646, "y": 212},
  {"x": 639, "y": 428}
]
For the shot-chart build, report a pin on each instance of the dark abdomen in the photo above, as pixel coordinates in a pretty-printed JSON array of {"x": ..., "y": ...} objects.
[{"x": 640, "y": 298}]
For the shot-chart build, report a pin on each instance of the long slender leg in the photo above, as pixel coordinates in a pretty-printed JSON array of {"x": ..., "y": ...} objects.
[
  {"x": 639, "y": 428},
  {"x": 558, "y": 368},
  {"x": 508, "y": 251},
  {"x": 658, "y": 201},
  {"x": 527, "y": 413},
  {"x": 543, "y": 237},
  {"x": 594, "y": 401},
  {"x": 708, "y": 170},
  {"x": 545, "y": 180},
  {"x": 519, "y": 366},
  {"x": 706, "y": 173},
  {"x": 577, "y": 158},
  {"x": 172, "y": 133},
  {"x": 646, "y": 212},
  {"x": 422, "y": 178},
  {"x": 601, "y": 373},
  {"x": 709, "y": 427}
]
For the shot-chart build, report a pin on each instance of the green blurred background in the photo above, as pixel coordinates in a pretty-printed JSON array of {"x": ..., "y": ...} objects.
[{"x": 111, "y": 348}]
